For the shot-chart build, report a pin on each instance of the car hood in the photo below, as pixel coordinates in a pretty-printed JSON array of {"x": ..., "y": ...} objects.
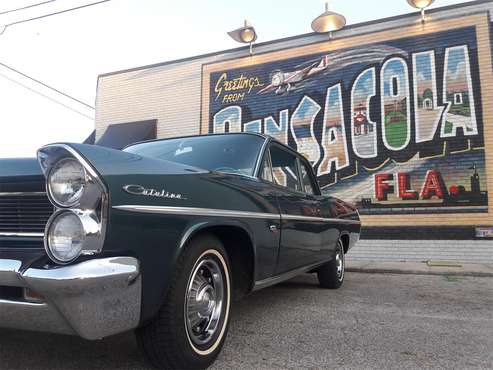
[
  {"x": 21, "y": 175},
  {"x": 109, "y": 162}
]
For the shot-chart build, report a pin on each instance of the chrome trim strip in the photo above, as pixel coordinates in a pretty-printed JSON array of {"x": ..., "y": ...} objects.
[
  {"x": 318, "y": 219},
  {"x": 26, "y": 194},
  {"x": 260, "y": 284},
  {"x": 196, "y": 211},
  {"x": 22, "y": 235},
  {"x": 224, "y": 213}
]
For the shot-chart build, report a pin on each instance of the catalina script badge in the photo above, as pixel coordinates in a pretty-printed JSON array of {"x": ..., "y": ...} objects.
[{"x": 140, "y": 190}]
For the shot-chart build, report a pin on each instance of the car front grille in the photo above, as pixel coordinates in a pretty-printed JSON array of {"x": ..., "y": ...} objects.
[{"x": 24, "y": 214}]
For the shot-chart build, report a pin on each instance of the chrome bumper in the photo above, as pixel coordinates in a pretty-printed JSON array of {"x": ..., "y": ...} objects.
[{"x": 92, "y": 299}]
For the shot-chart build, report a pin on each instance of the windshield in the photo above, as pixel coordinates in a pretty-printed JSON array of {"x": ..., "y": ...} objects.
[{"x": 230, "y": 153}]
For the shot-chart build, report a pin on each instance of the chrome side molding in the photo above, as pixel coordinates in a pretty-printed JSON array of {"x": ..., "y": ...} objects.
[{"x": 169, "y": 210}]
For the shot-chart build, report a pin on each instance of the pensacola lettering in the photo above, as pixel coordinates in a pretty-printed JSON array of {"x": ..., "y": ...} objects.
[{"x": 398, "y": 110}]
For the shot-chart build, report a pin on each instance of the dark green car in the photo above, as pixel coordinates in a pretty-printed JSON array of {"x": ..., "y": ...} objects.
[{"x": 161, "y": 237}]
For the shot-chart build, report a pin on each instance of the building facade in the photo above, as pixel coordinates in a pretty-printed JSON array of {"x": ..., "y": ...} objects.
[{"x": 394, "y": 115}]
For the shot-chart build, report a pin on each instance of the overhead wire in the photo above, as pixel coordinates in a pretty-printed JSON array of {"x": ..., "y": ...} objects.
[
  {"x": 5, "y": 26},
  {"x": 34, "y": 79},
  {"x": 46, "y": 85},
  {"x": 26, "y": 7},
  {"x": 45, "y": 96}
]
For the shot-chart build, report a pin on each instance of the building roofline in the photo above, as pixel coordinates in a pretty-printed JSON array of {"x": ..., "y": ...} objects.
[{"x": 296, "y": 37}]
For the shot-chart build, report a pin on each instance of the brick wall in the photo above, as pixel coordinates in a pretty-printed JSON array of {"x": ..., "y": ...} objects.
[{"x": 426, "y": 176}]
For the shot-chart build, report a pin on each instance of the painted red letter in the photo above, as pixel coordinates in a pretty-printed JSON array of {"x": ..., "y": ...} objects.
[
  {"x": 433, "y": 185},
  {"x": 382, "y": 186},
  {"x": 403, "y": 183}
]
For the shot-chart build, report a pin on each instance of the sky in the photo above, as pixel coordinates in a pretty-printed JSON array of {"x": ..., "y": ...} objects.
[{"x": 68, "y": 51}]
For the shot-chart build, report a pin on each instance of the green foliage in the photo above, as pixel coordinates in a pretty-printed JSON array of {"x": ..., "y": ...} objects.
[{"x": 396, "y": 129}]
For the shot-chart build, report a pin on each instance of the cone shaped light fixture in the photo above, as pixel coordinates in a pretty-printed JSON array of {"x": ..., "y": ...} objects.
[
  {"x": 245, "y": 35},
  {"x": 422, "y": 5},
  {"x": 328, "y": 21}
]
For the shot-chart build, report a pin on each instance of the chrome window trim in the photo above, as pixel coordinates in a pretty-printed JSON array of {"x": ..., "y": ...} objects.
[
  {"x": 260, "y": 157},
  {"x": 193, "y": 211}
]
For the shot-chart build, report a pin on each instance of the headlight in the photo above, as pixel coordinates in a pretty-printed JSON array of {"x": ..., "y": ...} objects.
[
  {"x": 65, "y": 237},
  {"x": 66, "y": 182},
  {"x": 80, "y": 197}
]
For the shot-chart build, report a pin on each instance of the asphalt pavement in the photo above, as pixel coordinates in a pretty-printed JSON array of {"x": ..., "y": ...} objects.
[{"x": 376, "y": 321}]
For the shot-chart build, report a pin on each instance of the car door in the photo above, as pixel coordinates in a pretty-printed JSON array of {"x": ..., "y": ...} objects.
[
  {"x": 301, "y": 225},
  {"x": 328, "y": 209}
]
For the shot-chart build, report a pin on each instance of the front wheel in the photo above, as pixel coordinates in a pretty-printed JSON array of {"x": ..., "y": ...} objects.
[
  {"x": 190, "y": 328},
  {"x": 331, "y": 275}
]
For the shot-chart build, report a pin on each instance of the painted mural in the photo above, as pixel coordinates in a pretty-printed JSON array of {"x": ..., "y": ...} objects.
[{"x": 394, "y": 127}]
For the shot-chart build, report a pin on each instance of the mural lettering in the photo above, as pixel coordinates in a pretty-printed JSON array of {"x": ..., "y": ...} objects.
[{"x": 393, "y": 128}]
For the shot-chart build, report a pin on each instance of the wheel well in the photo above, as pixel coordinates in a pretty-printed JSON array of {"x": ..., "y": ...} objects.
[
  {"x": 241, "y": 255},
  {"x": 345, "y": 242}
]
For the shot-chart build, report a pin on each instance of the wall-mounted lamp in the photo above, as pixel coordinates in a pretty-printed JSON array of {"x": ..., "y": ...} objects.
[
  {"x": 328, "y": 21},
  {"x": 245, "y": 35},
  {"x": 422, "y": 5}
]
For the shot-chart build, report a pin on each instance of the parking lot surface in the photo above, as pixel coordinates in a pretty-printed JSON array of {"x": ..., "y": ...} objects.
[{"x": 376, "y": 321}]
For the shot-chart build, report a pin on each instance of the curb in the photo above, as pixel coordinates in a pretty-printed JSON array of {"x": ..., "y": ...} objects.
[{"x": 376, "y": 270}]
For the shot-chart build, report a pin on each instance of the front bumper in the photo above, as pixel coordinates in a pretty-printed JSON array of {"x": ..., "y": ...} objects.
[{"x": 92, "y": 299}]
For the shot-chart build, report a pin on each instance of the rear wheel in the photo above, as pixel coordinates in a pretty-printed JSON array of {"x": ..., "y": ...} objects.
[
  {"x": 190, "y": 328},
  {"x": 331, "y": 275}
]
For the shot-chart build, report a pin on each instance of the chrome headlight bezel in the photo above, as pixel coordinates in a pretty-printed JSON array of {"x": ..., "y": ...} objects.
[
  {"x": 90, "y": 227},
  {"x": 49, "y": 183},
  {"x": 49, "y": 248},
  {"x": 91, "y": 207}
]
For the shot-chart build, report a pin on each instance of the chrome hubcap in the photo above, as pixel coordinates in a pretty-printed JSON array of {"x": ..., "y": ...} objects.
[
  {"x": 340, "y": 264},
  {"x": 204, "y": 301}
]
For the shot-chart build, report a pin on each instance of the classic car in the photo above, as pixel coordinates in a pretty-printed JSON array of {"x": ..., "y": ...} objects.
[{"x": 161, "y": 238}]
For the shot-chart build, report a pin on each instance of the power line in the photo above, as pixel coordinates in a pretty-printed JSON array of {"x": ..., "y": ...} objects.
[
  {"x": 46, "y": 85},
  {"x": 26, "y": 7},
  {"x": 5, "y": 26},
  {"x": 46, "y": 96}
]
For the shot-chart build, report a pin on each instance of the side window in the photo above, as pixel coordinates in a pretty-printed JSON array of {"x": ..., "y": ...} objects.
[
  {"x": 284, "y": 168},
  {"x": 306, "y": 179},
  {"x": 266, "y": 169}
]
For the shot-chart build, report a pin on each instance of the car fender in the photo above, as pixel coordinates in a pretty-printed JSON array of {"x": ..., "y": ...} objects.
[{"x": 198, "y": 226}]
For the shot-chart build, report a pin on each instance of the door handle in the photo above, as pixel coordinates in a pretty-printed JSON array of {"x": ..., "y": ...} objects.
[{"x": 274, "y": 228}]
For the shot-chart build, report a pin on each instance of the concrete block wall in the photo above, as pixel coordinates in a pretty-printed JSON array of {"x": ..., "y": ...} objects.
[{"x": 465, "y": 251}]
